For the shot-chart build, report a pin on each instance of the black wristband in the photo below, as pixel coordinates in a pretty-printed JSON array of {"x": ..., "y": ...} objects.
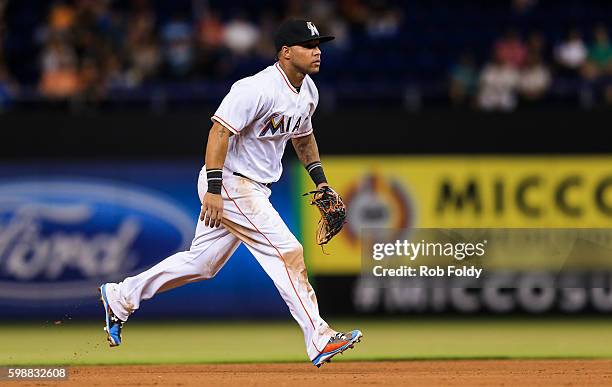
[
  {"x": 315, "y": 170},
  {"x": 214, "y": 178}
]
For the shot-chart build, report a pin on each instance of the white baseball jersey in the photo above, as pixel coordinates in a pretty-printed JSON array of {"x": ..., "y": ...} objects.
[{"x": 264, "y": 111}]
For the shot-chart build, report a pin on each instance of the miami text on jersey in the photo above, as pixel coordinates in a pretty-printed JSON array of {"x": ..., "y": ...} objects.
[{"x": 274, "y": 125}]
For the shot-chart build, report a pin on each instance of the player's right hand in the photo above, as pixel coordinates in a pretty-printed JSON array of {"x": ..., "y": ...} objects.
[{"x": 212, "y": 210}]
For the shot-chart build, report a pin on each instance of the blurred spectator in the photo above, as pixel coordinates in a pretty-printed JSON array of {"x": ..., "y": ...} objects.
[
  {"x": 354, "y": 11},
  {"x": 144, "y": 60},
  {"x": 59, "y": 23},
  {"x": 536, "y": 44},
  {"x": 598, "y": 69},
  {"x": 340, "y": 30},
  {"x": 321, "y": 11},
  {"x": 96, "y": 32},
  {"x": 571, "y": 54},
  {"x": 91, "y": 81},
  {"x": 264, "y": 47},
  {"x": 240, "y": 35},
  {"x": 523, "y": 6},
  {"x": 143, "y": 55},
  {"x": 61, "y": 18},
  {"x": 2, "y": 28},
  {"x": 114, "y": 75},
  {"x": 178, "y": 46},
  {"x": 463, "y": 80},
  {"x": 600, "y": 54},
  {"x": 59, "y": 73},
  {"x": 510, "y": 49},
  {"x": 210, "y": 31},
  {"x": 141, "y": 21},
  {"x": 498, "y": 82},
  {"x": 383, "y": 21},
  {"x": 8, "y": 87},
  {"x": 3, "y": 4},
  {"x": 534, "y": 79}
]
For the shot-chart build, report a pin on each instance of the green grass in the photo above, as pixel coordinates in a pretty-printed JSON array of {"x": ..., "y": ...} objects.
[{"x": 181, "y": 342}]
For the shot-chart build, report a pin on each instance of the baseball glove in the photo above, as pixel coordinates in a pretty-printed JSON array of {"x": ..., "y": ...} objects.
[{"x": 333, "y": 213}]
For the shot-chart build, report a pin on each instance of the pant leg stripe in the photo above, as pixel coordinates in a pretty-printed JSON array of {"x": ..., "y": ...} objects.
[{"x": 281, "y": 257}]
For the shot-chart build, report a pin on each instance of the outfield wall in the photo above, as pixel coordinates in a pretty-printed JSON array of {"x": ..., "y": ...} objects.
[
  {"x": 73, "y": 184},
  {"x": 67, "y": 227}
]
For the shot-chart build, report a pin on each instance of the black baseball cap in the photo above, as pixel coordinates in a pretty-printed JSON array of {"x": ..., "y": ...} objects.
[{"x": 293, "y": 32}]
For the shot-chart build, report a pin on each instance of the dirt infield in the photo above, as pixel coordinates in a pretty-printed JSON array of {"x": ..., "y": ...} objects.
[{"x": 404, "y": 373}]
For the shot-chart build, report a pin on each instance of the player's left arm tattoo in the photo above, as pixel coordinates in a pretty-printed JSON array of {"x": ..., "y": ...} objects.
[
  {"x": 306, "y": 149},
  {"x": 308, "y": 153}
]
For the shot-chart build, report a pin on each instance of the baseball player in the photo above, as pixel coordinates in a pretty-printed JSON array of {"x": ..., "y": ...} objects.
[{"x": 243, "y": 159}]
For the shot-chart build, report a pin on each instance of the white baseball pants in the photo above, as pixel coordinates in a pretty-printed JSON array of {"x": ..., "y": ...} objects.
[{"x": 249, "y": 218}]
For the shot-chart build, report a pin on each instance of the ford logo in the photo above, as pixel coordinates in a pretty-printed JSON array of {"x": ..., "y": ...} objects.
[{"x": 60, "y": 239}]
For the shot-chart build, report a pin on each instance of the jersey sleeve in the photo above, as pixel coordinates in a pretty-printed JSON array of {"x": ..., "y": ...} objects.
[
  {"x": 241, "y": 106},
  {"x": 306, "y": 126}
]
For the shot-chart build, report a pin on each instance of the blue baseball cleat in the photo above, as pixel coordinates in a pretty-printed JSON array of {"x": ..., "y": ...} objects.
[
  {"x": 113, "y": 324},
  {"x": 337, "y": 344}
]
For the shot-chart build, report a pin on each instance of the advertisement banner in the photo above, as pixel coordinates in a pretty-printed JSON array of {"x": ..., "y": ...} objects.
[
  {"x": 67, "y": 228},
  {"x": 543, "y": 223},
  {"x": 403, "y": 193}
]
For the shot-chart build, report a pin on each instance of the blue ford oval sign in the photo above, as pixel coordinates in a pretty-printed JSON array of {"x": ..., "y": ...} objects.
[{"x": 59, "y": 239}]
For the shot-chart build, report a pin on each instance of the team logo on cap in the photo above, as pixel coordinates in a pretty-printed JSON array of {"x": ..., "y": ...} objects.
[{"x": 312, "y": 28}]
